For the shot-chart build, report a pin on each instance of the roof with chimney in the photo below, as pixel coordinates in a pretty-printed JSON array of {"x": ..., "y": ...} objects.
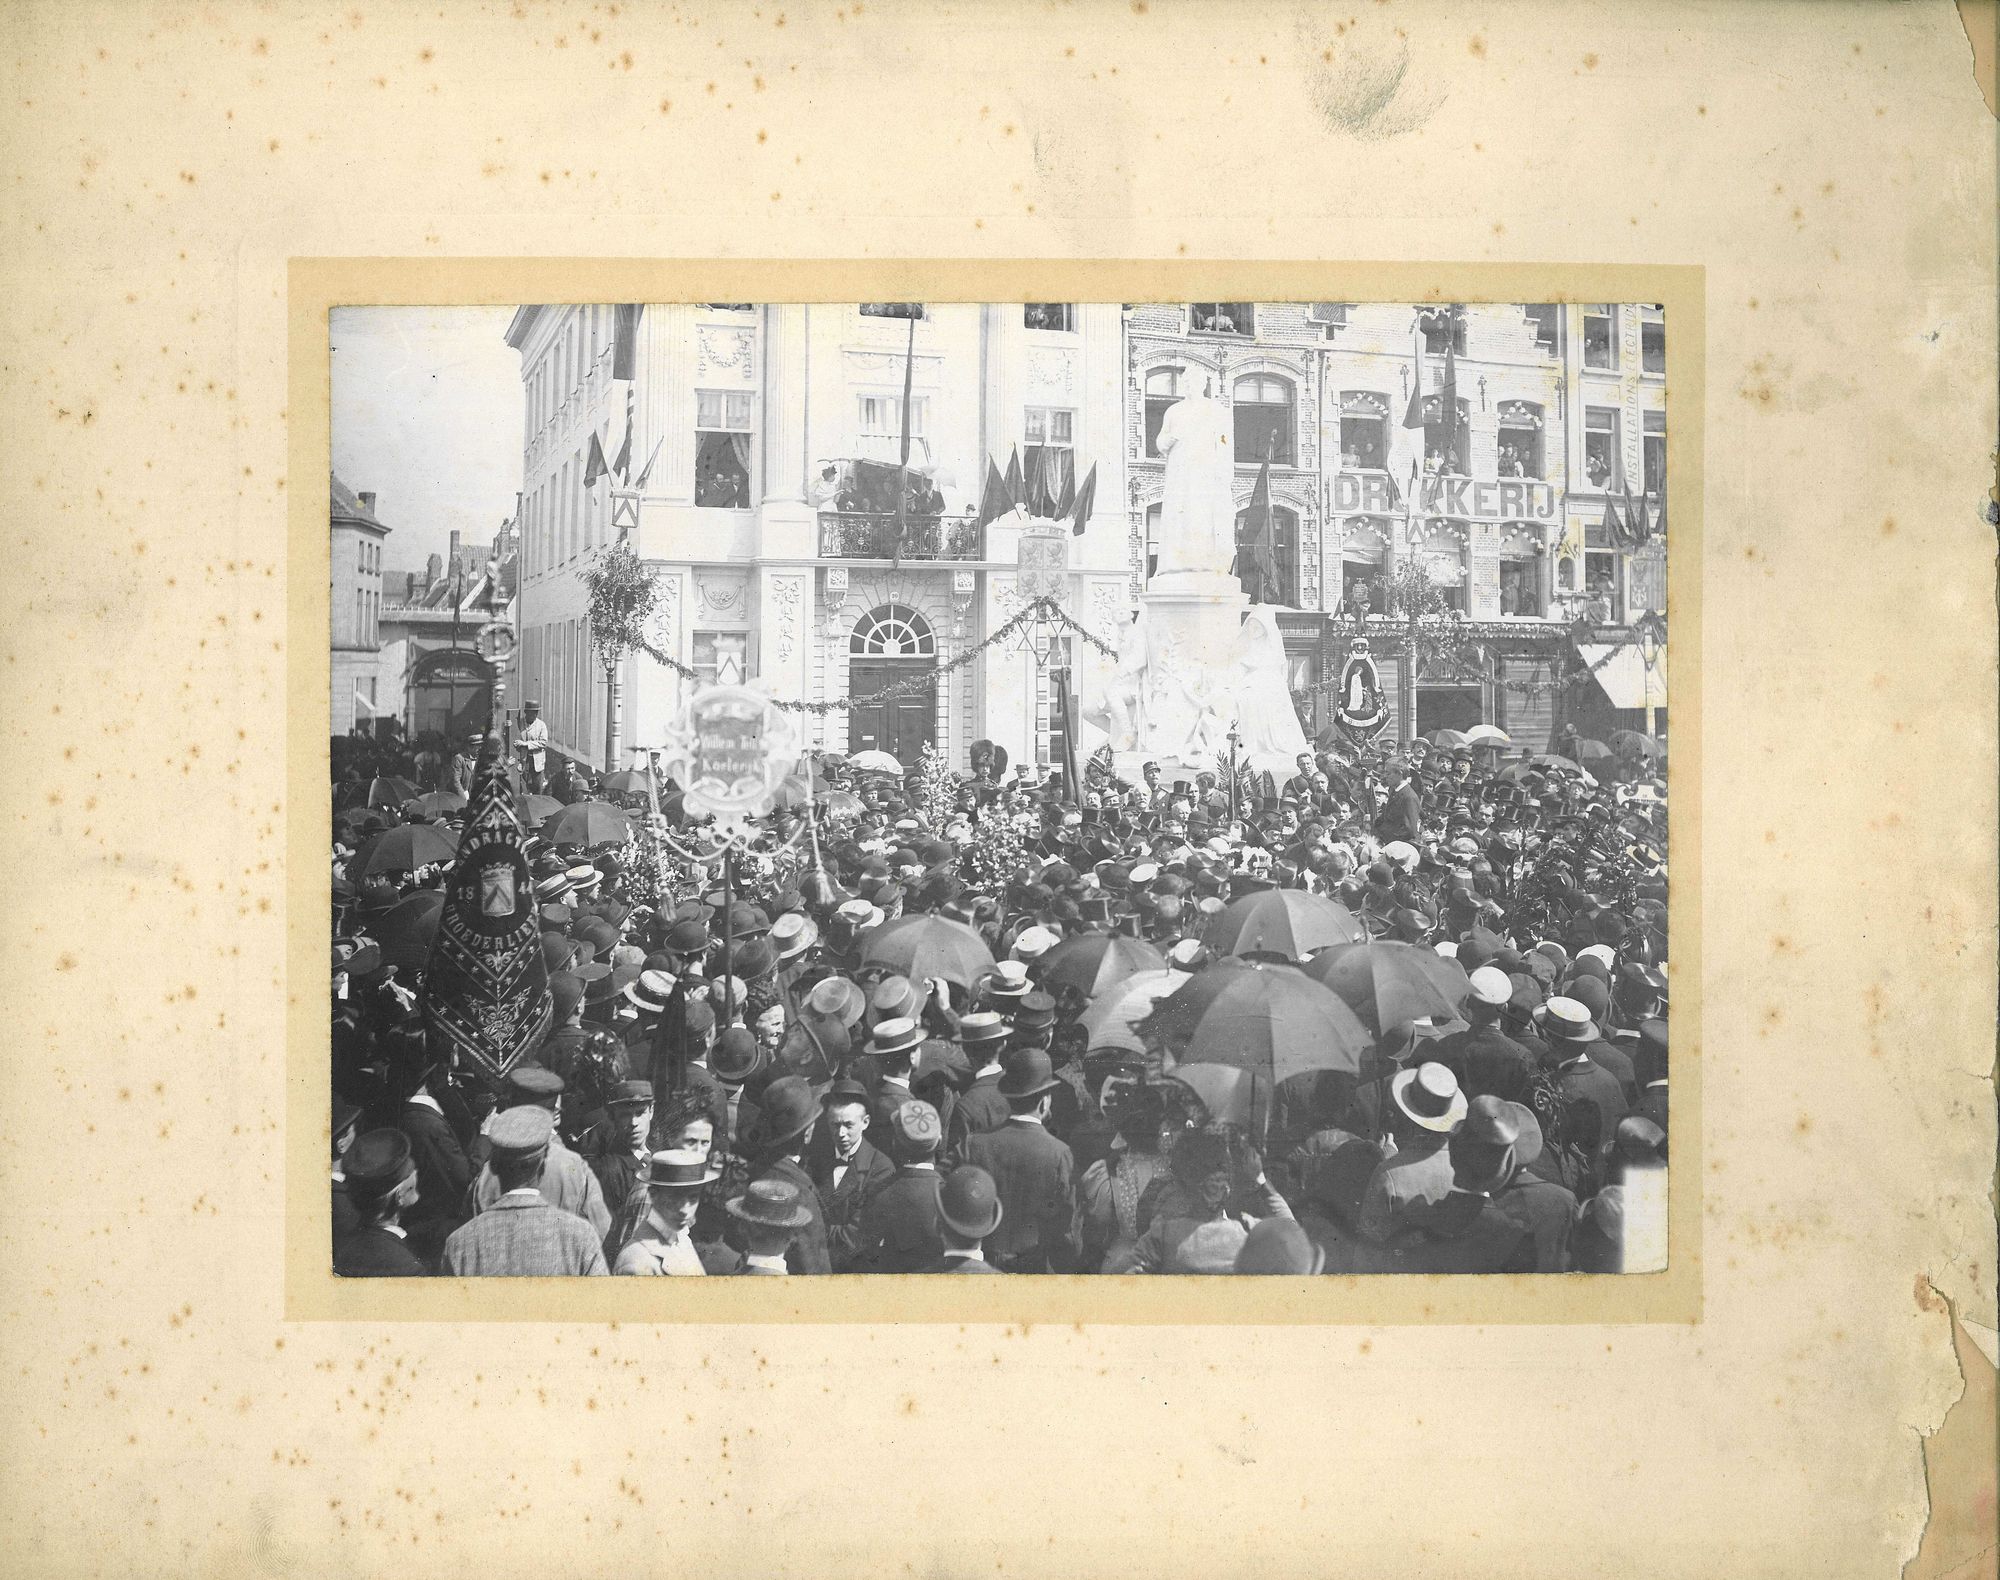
[{"x": 349, "y": 509}]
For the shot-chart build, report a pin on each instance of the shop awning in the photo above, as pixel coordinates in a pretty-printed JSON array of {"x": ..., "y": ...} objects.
[{"x": 1624, "y": 677}]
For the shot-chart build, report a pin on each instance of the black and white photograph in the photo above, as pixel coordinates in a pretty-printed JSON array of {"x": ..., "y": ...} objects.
[{"x": 999, "y": 788}]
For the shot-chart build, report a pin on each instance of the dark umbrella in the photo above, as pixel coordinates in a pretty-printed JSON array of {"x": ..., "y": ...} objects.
[
  {"x": 1290, "y": 922},
  {"x": 437, "y": 803},
  {"x": 1277, "y": 1022},
  {"x": 360, "y": 820},
  {"x": 1593, "y": 752},
  {"x": 1633, "y": 743},
  {"x": 844, "y": 803},
  {"x": 1092, "y": 962},
  {"x": 404, "y": 849},
  {"x": 590, "y": 824},
  {"x": 1176, "y": 1014},
  {"x": 921, "y": 947},
  {"x": 1388, "y": 984},
  {"x": 625, "y": 782},
  {"x": 405, "y": 933},
  {"x": 1551, "y": 760},
  {"x": 538, "y": 809},
  {"x": 388, "y": 790}
]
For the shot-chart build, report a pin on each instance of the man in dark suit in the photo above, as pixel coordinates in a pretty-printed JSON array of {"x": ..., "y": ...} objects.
[
  {"x": 1468, "y": 1232},
  {"x": 892, "y": 1049},
  {"x": 969, "y": 1209},
  {"x": 1402, "y": 815},
  {"x": 845, "y": 1169},
  {"x": 382, "y": 1184},
  {"x": 1582, "y": 1081},
  {"x": 443, "y": 1171},
  {"x": 787, "y": 1116},
  {"x": 1541, "y": 1206},
  {"x": 983, "y": 1107},
  {"x": 622, "y": 1164},
  {"x": 1034, "y": 1173},
  {"x": 1486, "y": 1061},
  {"x": 899, "y": 1230},
  {"x": 1653, "y": 1062}
]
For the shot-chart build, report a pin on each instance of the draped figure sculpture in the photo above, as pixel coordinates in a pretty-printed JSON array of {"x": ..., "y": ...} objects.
[
  {"x": 1197, "y": 529},
  {"x": 1269, "y": 737}
]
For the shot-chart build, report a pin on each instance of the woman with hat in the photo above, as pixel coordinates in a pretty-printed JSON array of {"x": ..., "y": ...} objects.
[
  {"x": 1194, "y": 1231},
  {"x": 1116, "y": 1194},
  {"x": 663, "y": 1244}
]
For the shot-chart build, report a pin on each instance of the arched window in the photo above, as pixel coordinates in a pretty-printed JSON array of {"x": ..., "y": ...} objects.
[
  {"x": 1521, "y": 452},
  {"x": 1284, "y": 557},
  {"x": 1263, "y": 420},
  {"x": 893, "y": 631},
  {"x": 1364, "y": 431},
  {"x": 1447, "y": 446},
  {"x": 1164, "y": 386}
]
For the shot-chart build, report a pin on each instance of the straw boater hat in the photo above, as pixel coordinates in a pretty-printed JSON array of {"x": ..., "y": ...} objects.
[
  {"x": 770, "y": 1204},
  {"x": 688, "y": 1170},
  {"x": 792, "y": 934},
  {"x": 650, "y": 991},
  {"x": 1429, "y": 1096},
  {"x": 836, "y": 998},
  {"x": 1568, "y": 1021}
]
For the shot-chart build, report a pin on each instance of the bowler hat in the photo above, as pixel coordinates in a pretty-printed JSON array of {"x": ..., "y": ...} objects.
[
  {"x": 752, "y": 958},
  {"x": 685, "y": 1170},
  {"x": 1482, "y": 1148},
  {"x": 1025, "y": 1072},
  {"x": 844, "y": 1092},
  {"x": 969, "y": 1202},
  {"x": 378, "y": 1161},
  {"x": 789, "y": 1108},
  {"x": 736, "y": 1056},
  {"x": 687, "y": 938},
  {"x": 770, "y": 1204},
  {"x": 1429, "y": 1095}
]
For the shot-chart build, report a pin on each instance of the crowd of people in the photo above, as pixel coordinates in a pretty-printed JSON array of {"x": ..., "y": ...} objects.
[{"x": 746, "y": 1073}]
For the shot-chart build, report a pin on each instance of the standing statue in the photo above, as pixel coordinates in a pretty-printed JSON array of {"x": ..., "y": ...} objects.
[
  {"x": 1267, "y": 724},
  {"x": 1123, "y": 714},
  {"x": 1198, "y": 506}
]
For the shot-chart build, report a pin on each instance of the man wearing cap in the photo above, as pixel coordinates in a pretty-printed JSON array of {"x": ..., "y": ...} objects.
[
  {"x": 846, "y": 1170},
  {"x": 788, "y": 1113},
  {"x": 533, "y": 742},
  {"x": 1034, "y": 1173},
  {"x": 564, "y": 1178},
  {"x": 621, "y": 1165},
  {"x": 521, "y": 1235},
  {"x": 1485, "y": 1060},
  {"x": 663, "y": 1245},
  {"x": 382, "y": 1184},
  {"x": 898, "y": 1230},
  {"x": 1428, "y": 1106},
  {"x": 969, "y": 1210},
  {"x": 983, "y": 1106}
]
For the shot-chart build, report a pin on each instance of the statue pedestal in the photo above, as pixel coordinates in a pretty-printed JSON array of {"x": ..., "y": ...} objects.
[{"x": 1194, "y": 623}]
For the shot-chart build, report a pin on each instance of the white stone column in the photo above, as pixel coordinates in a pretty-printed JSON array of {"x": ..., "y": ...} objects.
[{"x": 787, "y": 525}]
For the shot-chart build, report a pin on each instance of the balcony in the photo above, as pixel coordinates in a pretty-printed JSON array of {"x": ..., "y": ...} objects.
[{"x": 871, "y": 535}]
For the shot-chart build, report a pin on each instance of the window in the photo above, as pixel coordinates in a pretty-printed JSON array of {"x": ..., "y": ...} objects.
[
  {"x": 1443, "y": 327},
  {"x": 1049, "y": 315},
  {"x": 892, "y": 309},
  {"x": 1364, "y": 430},
  {"x": 1444, "y": 562},
  {"x": 1447, "y": 451},
  {"x": 1521, "y": 587},
  {"x": 1544, "y": 316},
  {"x": 1222, "y": 318},
  {"x": 360, "y": 619},
  {"x": 1653, "y": 442},
  {"x": 1263, "y": 420},
  {"x": 1163, "y": 388},
  {"x": 1652, "y": 340},
  {"x": 881, "y": 416},
  {"x": 893, "y": 631},
  {"x": 1600, "y": 335},
  {"x": 722, "y": 658},
  {"x": 1284, "y": 553},
  {"x": 1048, "y": 461},
  {"x": 1600, "y": 587},
  {"x": 1152, "y": 538},
  {"x": 1600, "y": 445},
  {"x": 1331, "y": 316},
  {"x": 732, "y": 307},
  {"x": 722, "y": 449},
  {"x": 1360, "y": 591},
  {"x": 1521, "y": 453}
]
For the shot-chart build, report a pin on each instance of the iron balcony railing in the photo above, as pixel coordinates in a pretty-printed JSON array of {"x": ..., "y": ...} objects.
[{"x": 871, "y": 535}]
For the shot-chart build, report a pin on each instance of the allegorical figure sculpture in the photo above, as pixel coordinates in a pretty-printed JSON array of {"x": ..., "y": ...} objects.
[
  {"x": 1269, "y": 737},
  {"x": 1197, "y": 529}
]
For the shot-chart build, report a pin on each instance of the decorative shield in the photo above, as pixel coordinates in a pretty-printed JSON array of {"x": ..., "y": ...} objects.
[
  {"x": 731, "y": 747},
  {"x": 1359, "y": 703},
  {"x": 1044, "y": 565}
]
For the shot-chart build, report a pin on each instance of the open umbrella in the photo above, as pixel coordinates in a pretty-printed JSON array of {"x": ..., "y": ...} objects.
[
  {"x": 406, "y": 931},
  {"x": 844, "y": 803},
  {"x": 1446, "y": 738},
  {"x": 1552, "y": 760},
  {"x": 1387, "y": 983},
  {"x": 1227, "y": 1092},
  {"x": 1112, "y": 1020},
  {"x": 1633, "y": 743},
  {"x": 1283, "y": 921},
  {"x": 436, "y": 804},
  {"x": 627, "y": 781},
  {"x": 1593, "y": 752},
  {"x": 875, "y": 763},
  {"x": 590, "y": 824},
  {"x": 1092, "y": 962},
  {"x": 793, "y": 791},
  {"x": 388, "y": 790},
  {"x": 1277, "y": 1022},
  {"x": 927, "y": 946},
  {"x": 357, "y": 820},
  {"x": 404, "y": 849},
  {"x": 1174, "y": 1017},
  {"x": 538, "y": 809},
  {"x": 1487, "y": 735}
]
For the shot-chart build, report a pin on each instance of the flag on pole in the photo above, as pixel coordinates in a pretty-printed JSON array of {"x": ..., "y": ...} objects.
[
  {"x": 1086, "y": 497},
  {"x": 1257, "y": 553},
  {"x": 1016, "y": 485},
  {"x": 993, "y": 500},
  {"x": 646, "y": 471},
  {"x": 1614, "y": 529},
  {"x": 1635, "y": 516},
  {"x": 1448, "y": 404},
  {"x": 596, "y": 466},
  {"x": 1065, "y": 499},
  {"x": 622, "y": 465},
  {"x": 486, "y": 991},
  {"x": 625, "y": 340},
  {"x": 1413, "y": 413}
]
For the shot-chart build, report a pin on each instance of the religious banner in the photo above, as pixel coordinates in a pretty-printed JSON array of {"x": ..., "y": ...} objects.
[
  {"x": 486, "y": 991},
  {"x": 1359, "y": 702}
]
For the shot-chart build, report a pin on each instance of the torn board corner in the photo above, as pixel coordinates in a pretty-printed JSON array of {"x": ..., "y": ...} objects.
[
  {"x": 1981, "y": 21},
  {"x": 1961, "y": 1539}
]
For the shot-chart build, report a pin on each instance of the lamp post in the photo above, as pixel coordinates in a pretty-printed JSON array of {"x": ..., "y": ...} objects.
[{"x": 1233, "y": 739}]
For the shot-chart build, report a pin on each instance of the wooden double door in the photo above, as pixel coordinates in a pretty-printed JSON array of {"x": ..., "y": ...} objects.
[{"x": 901, "y": 726}]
